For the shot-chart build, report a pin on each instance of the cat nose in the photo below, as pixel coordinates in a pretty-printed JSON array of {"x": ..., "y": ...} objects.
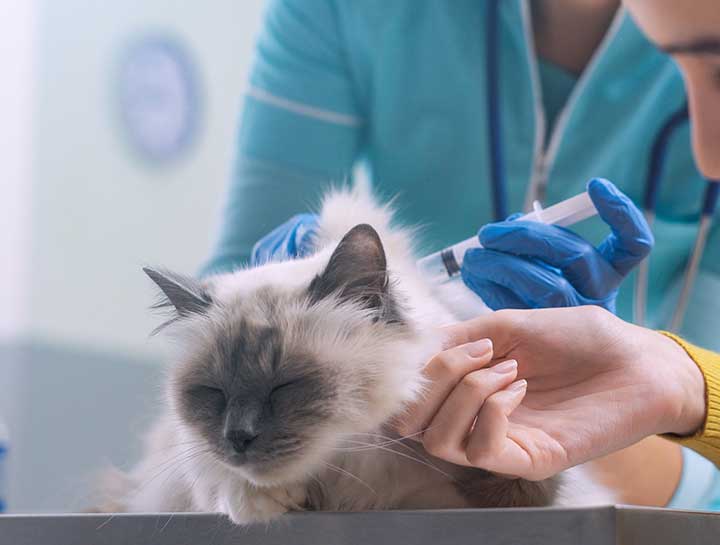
[{"x": 240, "y": 439}]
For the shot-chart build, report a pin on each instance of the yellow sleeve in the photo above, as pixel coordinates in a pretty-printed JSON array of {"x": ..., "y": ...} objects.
[{"x": 707, "y": 440}]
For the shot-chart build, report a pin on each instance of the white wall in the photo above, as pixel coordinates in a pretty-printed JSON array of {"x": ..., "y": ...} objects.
[
  {"x": 98, "y": 212},
  {"x": 17, "y": 46}
]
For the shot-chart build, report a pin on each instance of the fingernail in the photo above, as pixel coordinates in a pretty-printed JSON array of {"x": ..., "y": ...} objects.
[
  {"x": 480, "y": 348},
  {"x": 505, "y": 367},
  {"x": 518, "y": 385}
]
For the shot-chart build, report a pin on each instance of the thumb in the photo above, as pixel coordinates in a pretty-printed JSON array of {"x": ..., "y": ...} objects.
[
  {"x": 631, "y": 238},
  {"x": 500, "y": 327}
]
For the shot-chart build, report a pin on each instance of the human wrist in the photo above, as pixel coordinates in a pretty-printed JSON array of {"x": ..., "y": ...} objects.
[{"x": 685, "y": 389}]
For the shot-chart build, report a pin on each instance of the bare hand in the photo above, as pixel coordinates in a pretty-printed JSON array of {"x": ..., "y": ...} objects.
[{"x": 595, "y": 384}]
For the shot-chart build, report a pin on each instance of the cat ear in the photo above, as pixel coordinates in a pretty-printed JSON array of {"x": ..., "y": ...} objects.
[
  {"x": 357, "y": 269},
  {"x": 186, "y": 294}
]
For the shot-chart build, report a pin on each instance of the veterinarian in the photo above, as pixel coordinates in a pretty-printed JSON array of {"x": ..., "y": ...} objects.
[
  {"x": 405, "y": 87},
  {"x": 588, "y": 383},
  {"x": 472, "y": 110}
]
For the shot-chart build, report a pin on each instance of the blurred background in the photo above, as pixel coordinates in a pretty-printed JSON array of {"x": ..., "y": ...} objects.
[{"x": 119, "y": 116}]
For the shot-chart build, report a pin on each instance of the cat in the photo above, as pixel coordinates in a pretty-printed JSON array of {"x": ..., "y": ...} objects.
[{"x": 287, "y": 377}]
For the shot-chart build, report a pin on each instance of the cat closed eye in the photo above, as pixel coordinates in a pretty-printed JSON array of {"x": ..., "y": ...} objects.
[
  {"x": 284, "y": 386},
  {"x": 208, "y": 392}
]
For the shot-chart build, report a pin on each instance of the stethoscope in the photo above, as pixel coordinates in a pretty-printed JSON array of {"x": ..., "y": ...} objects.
[
  {"x": 656, "y": 166},
  {"x": 658, "y": 154}
]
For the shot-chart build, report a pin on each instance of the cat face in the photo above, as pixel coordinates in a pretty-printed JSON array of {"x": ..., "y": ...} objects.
[
  {"x": 256, "y": 399},
  {"x": 274, "y": 374}
]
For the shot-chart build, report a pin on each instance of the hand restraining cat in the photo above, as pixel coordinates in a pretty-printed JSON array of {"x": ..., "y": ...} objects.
[{"x": 287, "y": 376}]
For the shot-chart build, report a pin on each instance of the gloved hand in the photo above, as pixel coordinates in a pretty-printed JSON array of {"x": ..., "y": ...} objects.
[
  {"x": 290, "y": 240},
  {"x": 525, "y": 264}
]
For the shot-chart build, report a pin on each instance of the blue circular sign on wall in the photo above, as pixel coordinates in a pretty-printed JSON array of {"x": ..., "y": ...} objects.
[{"x": 159, "y": 97}]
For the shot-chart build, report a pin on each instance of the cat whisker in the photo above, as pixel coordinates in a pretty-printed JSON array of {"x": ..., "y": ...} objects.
[
  {"x": 351, "y": 475},
  {"x": 187, "y": 443},
  {"x": 166, "y": 523},
  {"x": 383, "y": 445},
  {"x": 176, "y": 462},
  {"x": 106, "y": 522},
  {"x": 379, "y": 446},
  {"x": 175, "y": 457},
  {"x": 397, "y": 439},
  {"x": 419, "y": 461},
  {"x": 361, "y": 448},
  {"x": 388, "y": 440},
  {"x": 187, "y": 471}
]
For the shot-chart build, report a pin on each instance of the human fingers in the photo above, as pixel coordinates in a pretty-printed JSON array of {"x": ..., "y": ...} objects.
[
  {"x": 631, "y": 239},
  {"x": 503, "y": 328},
  {"x": 442, "y": 374},
  {"x": 489, "y": 446},
  {"x": 535, "y": 285},
  {"x": 289, "y": 240},
  {"x": 585, "y": 267},
  {"x": 495, "y": 295},
  {"x": 447, "y": 432}
]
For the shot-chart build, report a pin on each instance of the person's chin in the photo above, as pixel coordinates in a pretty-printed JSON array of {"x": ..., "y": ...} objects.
[{"x": 709, "y": 165}]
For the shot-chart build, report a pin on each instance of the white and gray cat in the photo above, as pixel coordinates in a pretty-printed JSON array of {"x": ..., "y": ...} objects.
[{"x": 285, "y": 380}]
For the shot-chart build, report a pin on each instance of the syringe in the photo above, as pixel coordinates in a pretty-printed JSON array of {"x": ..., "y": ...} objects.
[{"x": 446, "y": 263}]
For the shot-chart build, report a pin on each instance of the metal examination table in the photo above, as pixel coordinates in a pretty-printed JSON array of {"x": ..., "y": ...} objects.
[{"x": 592, "y": 526}]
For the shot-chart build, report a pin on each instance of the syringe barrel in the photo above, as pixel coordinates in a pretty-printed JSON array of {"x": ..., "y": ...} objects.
[
  {"x": 446, "y": 263},
  {"x": 565, "y": 213}
]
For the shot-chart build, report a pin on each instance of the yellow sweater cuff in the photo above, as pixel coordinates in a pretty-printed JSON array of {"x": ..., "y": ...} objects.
[{"x": 707, "y": 440}]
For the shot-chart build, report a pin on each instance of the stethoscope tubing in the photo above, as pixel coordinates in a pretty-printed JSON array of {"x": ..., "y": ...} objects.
[
  {"x": 658, "y": 154},
  {"x": 495, "y": 144},
  {"x": 706, "y": 220}
]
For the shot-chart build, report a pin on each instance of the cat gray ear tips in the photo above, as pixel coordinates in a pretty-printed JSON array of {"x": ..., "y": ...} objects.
[
  {"x": 365, "y": 230},
  {"x": 162, "y": 279},
  {"x": 364, "y": 239},
  {"x": 152, "y": 273},
  {"x": 186, "y": 294}
]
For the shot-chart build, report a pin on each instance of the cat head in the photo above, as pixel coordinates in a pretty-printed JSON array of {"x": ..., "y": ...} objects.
[{"x": 281, "y": 364}]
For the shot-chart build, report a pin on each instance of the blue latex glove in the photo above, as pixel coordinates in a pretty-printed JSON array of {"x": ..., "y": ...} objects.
[
  {"x": 525, "y": 264},
  {"x": 290, "y": 240}
]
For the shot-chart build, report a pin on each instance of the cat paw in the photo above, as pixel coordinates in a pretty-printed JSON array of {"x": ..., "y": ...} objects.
[{"x": 246, "y": 504}]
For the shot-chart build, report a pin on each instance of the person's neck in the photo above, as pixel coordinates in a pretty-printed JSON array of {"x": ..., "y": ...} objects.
[{"x": 567, "y": 32}]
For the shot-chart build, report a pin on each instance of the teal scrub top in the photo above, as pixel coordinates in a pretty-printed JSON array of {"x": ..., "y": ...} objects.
[
  {"x": 401, "y": 86},
  {"x": 556, "y": 85}
]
